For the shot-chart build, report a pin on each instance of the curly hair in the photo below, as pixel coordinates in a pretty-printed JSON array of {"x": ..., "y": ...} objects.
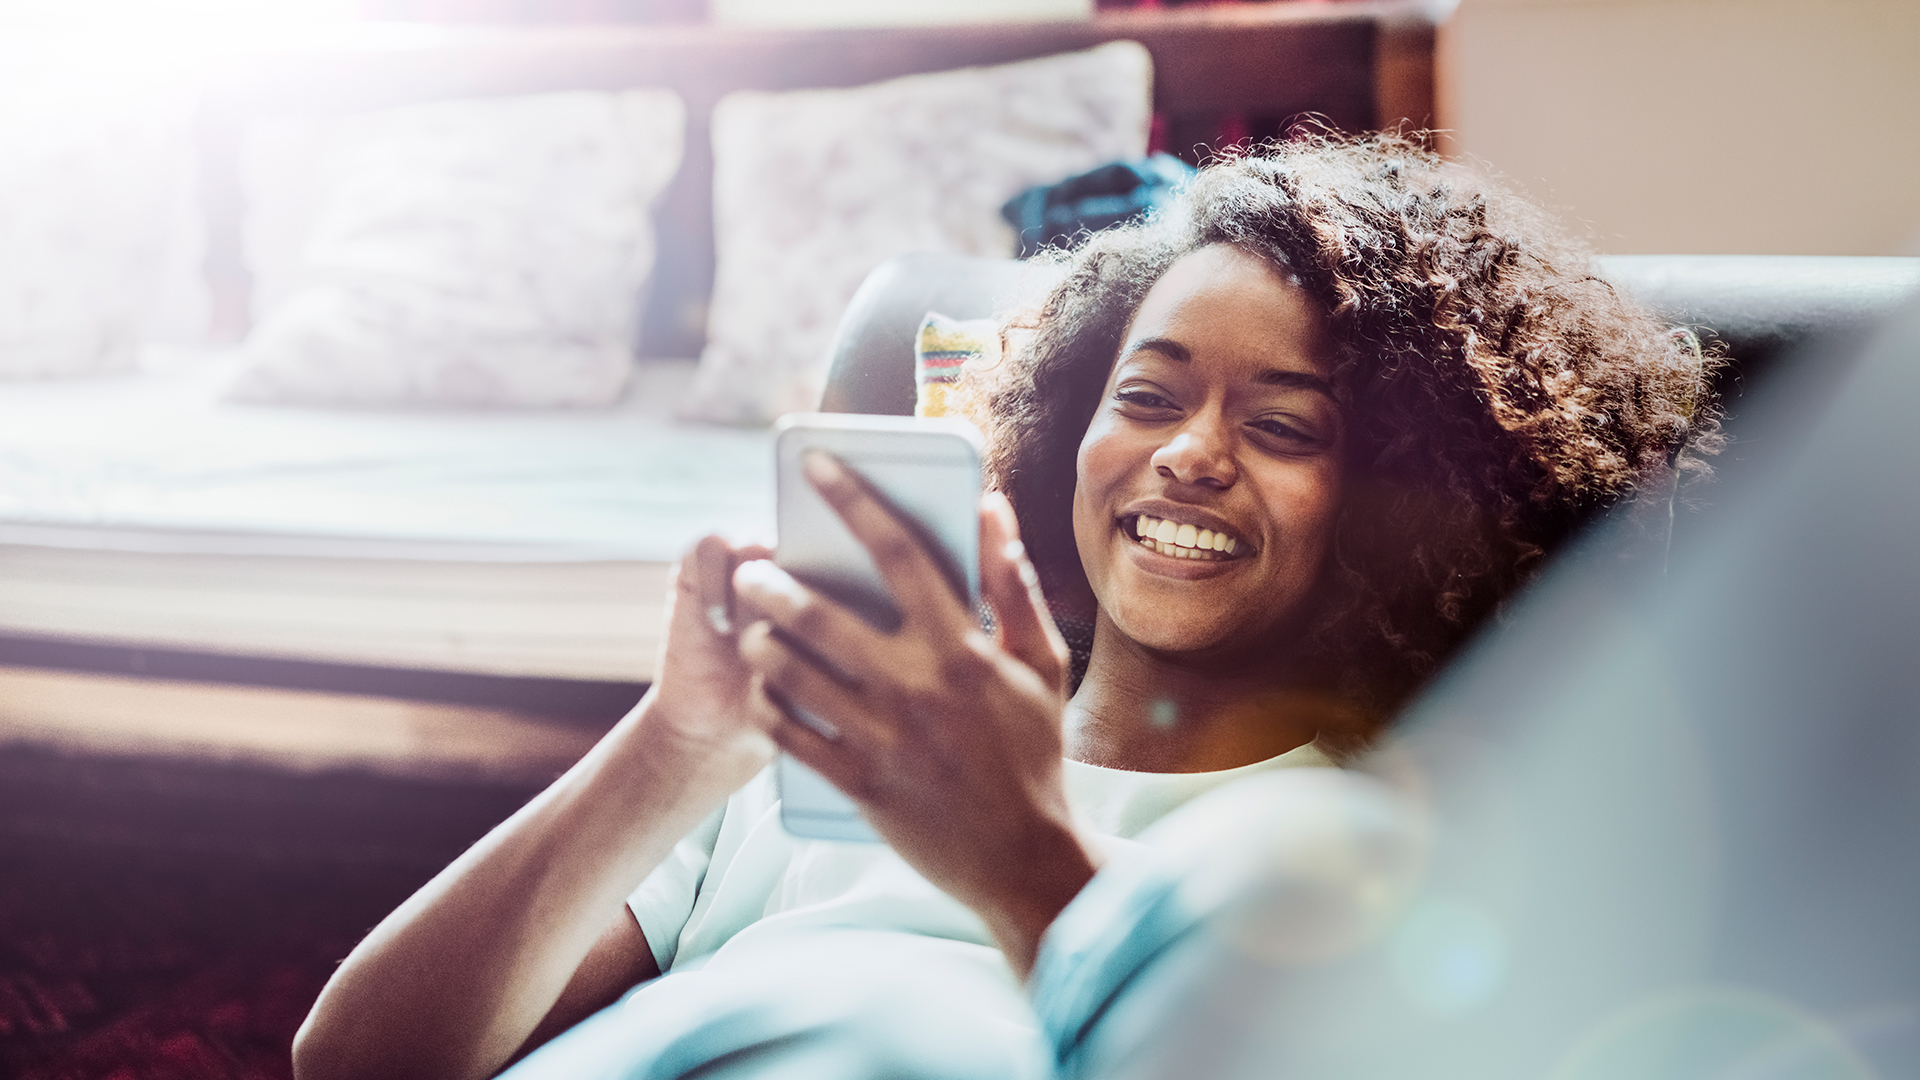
[{"x": 1497, "y": 393}]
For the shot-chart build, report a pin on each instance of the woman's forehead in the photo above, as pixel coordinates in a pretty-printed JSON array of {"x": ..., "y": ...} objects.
[{"x": 1224, "y": 305}]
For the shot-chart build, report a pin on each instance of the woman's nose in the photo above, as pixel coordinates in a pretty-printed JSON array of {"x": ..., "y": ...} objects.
[{"x": 1200, "y": 453}]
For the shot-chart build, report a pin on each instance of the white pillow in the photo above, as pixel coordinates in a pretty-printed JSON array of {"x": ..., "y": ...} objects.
[
  {"x": 814, "y": 188},
  {"x": 91, "y": 198},
  {"x": 492, "y": 251}
]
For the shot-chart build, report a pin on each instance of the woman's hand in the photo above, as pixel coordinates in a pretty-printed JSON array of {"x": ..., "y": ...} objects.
[
  {"x": 700, "y": 712},
  {"x": 949, "y": 739}
]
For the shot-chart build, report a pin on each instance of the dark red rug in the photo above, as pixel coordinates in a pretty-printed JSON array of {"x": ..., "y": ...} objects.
[{"x": 166, "y": 920}]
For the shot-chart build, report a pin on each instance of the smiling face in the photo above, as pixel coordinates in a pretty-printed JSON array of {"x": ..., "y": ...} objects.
[{"x": 1208, "y": 482}]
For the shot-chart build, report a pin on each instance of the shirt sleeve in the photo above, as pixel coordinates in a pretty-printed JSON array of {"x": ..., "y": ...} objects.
[{"x": 664, "y": 901}]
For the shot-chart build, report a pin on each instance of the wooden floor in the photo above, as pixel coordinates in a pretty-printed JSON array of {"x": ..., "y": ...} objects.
[{"x": 298, "y": 730}]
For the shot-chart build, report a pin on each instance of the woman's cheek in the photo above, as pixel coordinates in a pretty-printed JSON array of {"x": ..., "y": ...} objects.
[
  {"x": 1098, "y": 468},
  {"x": 1315, "y": 501},
  {"x": 1097, "y": 448}
]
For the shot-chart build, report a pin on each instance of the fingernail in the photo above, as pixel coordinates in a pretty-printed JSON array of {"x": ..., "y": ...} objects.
[
  {"x": 1003, "y": 507},
  {"x": 818, "y": 725},
  {"x": 820, "y": 467},
  {"x": 717, "y": 618},
  {"x": 762, "y": 574}
]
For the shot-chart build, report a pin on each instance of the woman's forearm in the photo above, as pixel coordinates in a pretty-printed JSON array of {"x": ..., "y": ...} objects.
[{"x": 452, "y": 983}]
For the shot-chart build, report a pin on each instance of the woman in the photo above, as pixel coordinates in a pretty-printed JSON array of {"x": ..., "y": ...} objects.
[{"x": 1285, "y": 446}]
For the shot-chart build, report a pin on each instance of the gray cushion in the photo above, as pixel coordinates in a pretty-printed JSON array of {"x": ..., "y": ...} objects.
[
  {"x": 872, "y": 369},
  {"x": 1764, "y": 307}
]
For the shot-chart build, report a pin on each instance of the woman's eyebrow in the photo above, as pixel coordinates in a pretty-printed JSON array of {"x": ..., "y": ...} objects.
[
  {"x": 1281, "y": 377},
  {"x": 1294, "y": 380},
  {"x": 1166, "y": 347}
]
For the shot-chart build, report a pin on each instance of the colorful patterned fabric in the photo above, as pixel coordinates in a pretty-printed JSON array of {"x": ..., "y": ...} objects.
[{"x": 943, "y": 351}]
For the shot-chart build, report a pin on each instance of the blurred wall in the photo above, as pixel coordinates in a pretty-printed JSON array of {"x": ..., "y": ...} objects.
[{"x": 1710, "y": 126}]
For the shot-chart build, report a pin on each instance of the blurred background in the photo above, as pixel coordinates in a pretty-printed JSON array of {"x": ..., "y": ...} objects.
[
  {"x": 1670, "y": 125},
  {"x": 1756, "y": 126}
]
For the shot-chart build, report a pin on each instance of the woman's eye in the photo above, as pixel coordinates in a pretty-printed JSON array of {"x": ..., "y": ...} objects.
[
  {"x": 1145, "y": 399},
  {"x": 1287, "y": 431}
]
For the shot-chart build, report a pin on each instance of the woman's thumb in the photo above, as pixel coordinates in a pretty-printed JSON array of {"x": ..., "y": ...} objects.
[{"x": 1012, "y": 587}]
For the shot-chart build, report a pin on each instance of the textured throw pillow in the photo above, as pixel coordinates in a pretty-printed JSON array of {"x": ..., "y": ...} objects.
[
  {"x": 814, "y": 188},
  {"x": 91, "y": 202},
  {"x": 486, "y": 252},
  {"x": 948, "y": 356}
]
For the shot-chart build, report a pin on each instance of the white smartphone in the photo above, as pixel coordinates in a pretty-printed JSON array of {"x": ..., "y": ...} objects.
[{"x": 928, "y": 472}]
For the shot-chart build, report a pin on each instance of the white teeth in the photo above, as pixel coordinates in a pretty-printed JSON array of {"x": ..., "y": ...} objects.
[{"x": 1181, "y": 541}]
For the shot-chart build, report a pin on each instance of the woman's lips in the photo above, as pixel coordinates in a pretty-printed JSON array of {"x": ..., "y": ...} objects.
[{"x": 1181, "y": 541}]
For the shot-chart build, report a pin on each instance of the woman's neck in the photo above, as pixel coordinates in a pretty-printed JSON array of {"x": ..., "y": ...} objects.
[{"x": 1149, "y": 712}]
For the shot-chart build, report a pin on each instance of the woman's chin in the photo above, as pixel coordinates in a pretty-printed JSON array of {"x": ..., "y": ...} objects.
[
  {"x": 1206, "y": 611},
  {"x": 1197, "y": 626},
  {"x": 1172, "y": 631}
]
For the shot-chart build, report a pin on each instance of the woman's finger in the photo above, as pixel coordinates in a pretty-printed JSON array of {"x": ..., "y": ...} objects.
[
  {"x": 845, "y": 641},
  {"x": 824, "y": 757},
  {"x": 707, "y": 574},
  {"x": 832, "y": 709},
  {"x": 703, "y": 582},
  {"x": 1012, "y": 586},
  {"x": 919, "y": 586},
  {"x": 829, "y": 757}
]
